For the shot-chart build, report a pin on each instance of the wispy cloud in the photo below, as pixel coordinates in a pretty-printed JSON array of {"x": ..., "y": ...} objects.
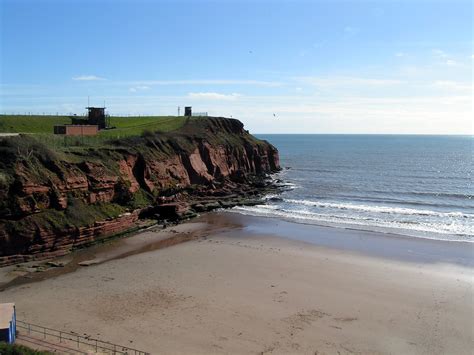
[
  {"x": 87, "y": 78},
  {"x": 139, "y": 88},
  {"x": 344, "y": 81},
  {"x": 207, "y": 82},
  {"x": 440, "y": 54},
  {"x": 213, "y": 96},
  {"x": 437, "y": 113},
  {"x": 444, "y": 58},
  {"x": 350, "y": 31},
  {"x": 452, "y": 85}
]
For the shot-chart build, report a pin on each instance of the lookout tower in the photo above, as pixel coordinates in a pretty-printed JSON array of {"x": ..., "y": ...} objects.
[{"x": 96, "y": 116}]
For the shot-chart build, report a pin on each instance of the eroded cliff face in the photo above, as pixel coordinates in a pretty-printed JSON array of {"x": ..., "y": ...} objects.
[{"x": 51, "y": 202}]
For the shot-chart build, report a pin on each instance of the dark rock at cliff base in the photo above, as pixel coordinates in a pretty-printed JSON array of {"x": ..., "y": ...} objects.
[
  {"x": 252, "y": 202},
  {"x": 198, "y": 207},
  {"x": 275, "y": 199},
  {"x": 212, "y": 206}
]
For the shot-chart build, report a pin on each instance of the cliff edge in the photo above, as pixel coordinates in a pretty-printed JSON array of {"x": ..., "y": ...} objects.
[{"x": 53, "y": 200}]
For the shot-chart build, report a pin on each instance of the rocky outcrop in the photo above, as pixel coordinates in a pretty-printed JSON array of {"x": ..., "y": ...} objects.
[{"x": 53, "y": 202}]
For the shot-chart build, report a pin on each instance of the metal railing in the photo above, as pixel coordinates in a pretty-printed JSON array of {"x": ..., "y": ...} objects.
[{"x": 81, "y": 343}]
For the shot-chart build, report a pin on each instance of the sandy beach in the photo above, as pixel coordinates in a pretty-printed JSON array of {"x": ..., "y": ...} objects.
[{"x": 234, "y": 285}]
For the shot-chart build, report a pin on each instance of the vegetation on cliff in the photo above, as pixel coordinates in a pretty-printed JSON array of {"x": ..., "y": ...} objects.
[{"x": 53, "y": 199}]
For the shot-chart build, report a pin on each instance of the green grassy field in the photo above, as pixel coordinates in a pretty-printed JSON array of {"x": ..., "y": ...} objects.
[
  {"x": 134, "y": 126},
  {"x": 41, "y": 128},
  {"x": 125, "y": 126},
  {"x": 30, "y": 124}
]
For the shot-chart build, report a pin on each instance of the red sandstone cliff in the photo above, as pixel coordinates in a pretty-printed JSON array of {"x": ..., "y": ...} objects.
[{"x": 51, "y": 202}]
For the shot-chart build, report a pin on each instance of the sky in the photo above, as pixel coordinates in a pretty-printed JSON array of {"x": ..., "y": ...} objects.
[{"x": 279, "y": 66}]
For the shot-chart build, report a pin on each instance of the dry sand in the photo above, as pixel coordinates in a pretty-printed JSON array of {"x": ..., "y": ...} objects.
[{"x": 232, "y": 292}]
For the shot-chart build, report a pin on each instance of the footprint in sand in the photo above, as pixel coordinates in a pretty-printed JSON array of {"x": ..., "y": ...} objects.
[
  {"x": 280, "y": 297},
  {"x": 303, "y": 319},
  {"x": 346, "y": 319}
]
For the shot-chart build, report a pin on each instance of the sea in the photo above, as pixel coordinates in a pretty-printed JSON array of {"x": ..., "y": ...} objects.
[{"x": 411, "y": 185}]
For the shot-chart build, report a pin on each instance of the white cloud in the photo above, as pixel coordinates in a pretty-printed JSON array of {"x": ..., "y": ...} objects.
[
  {"x": 139, "y": 88},
  {"x": 345, "y": 81},
  {"x": 350, "y": 31},
  {"x": 435, "y": 113},
  {"x": 213, "y": 96},
  {"x": 440, "y": 54},
  {"x": 87, "y": 78},
  {"x": 400, "y": 54},
  {"x": 207, "y": 82},
  {"x": 452, "y": 85},
  {"x": 451, "y": 63}
]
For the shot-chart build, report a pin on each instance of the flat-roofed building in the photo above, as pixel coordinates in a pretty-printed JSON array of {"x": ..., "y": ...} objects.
[{"x": 76, "y": 130}]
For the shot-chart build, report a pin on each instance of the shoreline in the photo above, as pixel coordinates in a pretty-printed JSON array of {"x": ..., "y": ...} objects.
[
  {"x": 247, "y": 285},
  {"x": 365, "y": 228},
  {"x": 368, "y": 242},
  {"x": 364, "y": 242}
]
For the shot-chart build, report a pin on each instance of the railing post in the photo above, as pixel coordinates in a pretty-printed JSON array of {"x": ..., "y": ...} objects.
[
  {"x": 78, "y": 341},
  {"x": 29, "y": 329},
  {"x": 60, "y": 336},
  {"x": 44, "y": 332}
]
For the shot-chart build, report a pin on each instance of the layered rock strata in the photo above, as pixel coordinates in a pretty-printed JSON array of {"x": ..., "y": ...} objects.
[{"x": 54, "y": 201}]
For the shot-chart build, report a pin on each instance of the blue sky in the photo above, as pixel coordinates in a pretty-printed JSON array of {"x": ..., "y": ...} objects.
[{"x": 319, "y": 66}]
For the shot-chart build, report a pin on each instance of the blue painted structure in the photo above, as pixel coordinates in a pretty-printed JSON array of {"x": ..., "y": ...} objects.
[{"x": 7, "y": 322}]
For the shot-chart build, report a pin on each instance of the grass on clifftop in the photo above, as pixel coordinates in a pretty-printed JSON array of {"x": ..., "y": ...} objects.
[
  {"x": 128, "y": 132},
  {"x": 41, "y": 128},
  {"x": 135, "y": 126},
  {"x": 30, "y": 124},
  {"x": 125, "y": 126}
]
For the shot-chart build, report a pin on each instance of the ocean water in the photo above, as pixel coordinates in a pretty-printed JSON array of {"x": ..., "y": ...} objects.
[{"x": 418, "y": 186}]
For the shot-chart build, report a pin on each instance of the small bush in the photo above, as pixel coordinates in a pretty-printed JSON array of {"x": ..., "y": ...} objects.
[{"x": 13, "y": 349}]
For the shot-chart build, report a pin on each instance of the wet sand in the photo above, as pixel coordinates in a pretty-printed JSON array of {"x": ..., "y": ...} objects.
[{"x": 236, "y": 286}]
